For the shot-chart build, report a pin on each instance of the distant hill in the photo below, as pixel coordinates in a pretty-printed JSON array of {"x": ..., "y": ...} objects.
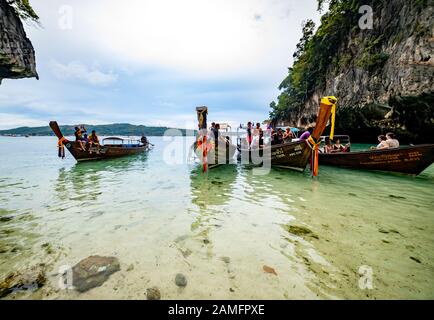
[{"x": 117, "y": 129}]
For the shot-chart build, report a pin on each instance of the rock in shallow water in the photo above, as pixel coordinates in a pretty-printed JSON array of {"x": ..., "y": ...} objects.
[
  {"x": 93, "y": 272},
  {"x": 31, "y": 279},
  {"x": 153, "y": 293},
  {"x": 180, "y": 280}
]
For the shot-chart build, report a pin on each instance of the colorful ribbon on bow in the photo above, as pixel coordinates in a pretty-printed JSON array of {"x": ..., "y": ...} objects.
[
  {"x": 315, "y": 155},
  {"x": 61, "y": 146}
]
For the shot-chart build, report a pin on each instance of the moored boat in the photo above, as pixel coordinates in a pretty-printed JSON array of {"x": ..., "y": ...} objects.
[
  {"x": 211, "y": 148},
  {"x": 412, "y": 160},
  {"x": 293, "y": 155},
  {"x": 112, "y": 147}
]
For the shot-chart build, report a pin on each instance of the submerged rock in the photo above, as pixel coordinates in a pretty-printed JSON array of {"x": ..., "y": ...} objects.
[
  {"x": 396, "y": 197},
  {"x": 153, "y": 293},
  {"x": 268, "y": 269},
  {"x": 226, "y": 260},
  {"x": 415, "y": 259},
  {"x": 28, "y": 280},
  {"x": 301, "y": 231},
  {"x": 93, "y": 272},
  {"x": 180, "y": 280}
]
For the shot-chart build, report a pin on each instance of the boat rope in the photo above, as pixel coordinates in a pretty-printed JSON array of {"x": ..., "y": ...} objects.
[
  {"x": 61, "y": 147},
  {"x": 314, "y": 146}
]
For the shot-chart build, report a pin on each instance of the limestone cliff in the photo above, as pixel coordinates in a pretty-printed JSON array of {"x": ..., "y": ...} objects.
[
  {"x": 17, "y": 56},
  {"x": 383, "y": 77}
]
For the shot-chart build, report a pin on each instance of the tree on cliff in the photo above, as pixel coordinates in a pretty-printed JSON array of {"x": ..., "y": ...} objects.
[
  {"x": 24, "y": 9},
  {"x": 315, "y": 53}
]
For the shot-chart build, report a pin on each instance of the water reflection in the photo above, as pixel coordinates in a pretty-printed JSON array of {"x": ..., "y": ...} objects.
[
  {"x": 83, "y": 181},
  {"x": 213, "y": 188},
  {"x": 211, "y": 193}
]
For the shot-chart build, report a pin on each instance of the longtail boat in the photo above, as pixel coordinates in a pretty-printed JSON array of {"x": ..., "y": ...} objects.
[
  {"x": 295, "y": 155},
  {"x": 112, "y": 147},
  {"x": 411, "y": 160},
  {"x": 211, "y": 152}
]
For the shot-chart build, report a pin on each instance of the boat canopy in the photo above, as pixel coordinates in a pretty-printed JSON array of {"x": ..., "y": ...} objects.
[{"x": 113, "y": 138}]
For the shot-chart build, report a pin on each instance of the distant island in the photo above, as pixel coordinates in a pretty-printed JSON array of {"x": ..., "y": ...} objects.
[{"x": 117, "y": 129}]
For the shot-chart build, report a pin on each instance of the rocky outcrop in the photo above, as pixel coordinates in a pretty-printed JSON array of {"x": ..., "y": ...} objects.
[
  {"x": 383, "y": 77},
  {"x": 17, "y": 56}
]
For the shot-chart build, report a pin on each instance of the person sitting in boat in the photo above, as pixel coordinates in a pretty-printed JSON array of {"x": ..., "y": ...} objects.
[
  {"x": 288, "y": 136},
  {"x": 382, "y": 143},
  {"x": 93, "y": 138},
  {"x": 328, "y": 148},
  {"x": 392, "y": 141},
  {"x": 277, "y": 138},
  {"x": 338, "y": 147},
  {"x": 93, "y": 142},
  {"x": 79, "y": 138},
  {"x": 144, "y": 140},
  {"x": 256, "y": 136},
  {"x": 261, "y": 136}
]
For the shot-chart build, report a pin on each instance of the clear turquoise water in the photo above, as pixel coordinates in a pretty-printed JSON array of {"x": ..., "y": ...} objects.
[{"x": 219, "y": 230}]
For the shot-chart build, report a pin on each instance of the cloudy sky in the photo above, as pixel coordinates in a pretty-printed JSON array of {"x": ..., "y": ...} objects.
[{"x": 153, "y": 61}]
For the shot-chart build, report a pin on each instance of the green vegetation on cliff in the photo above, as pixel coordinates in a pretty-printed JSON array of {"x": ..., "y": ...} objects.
[
  {"x": 316, "y": 52},
  {"x": 380, "y": 75},
  {"x": 24, "y": 9}
]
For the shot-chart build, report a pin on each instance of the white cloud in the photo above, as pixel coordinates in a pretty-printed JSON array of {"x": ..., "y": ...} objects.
[
  {"x": 78, "y": 71},
  {"x": 173, "y": 55},
  {"x": 9, "y": 121},
  {"x": 212, "y": 38}
]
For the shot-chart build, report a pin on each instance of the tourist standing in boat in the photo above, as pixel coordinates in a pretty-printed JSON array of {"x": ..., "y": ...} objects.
[
  {"x": 256, "y": 134},
  {"x": 249, "y": 134},
  {"x": 288, "y": 136},
  {"x": 261, "y": 135},
  {"x": 306, "y": 134},
  {"x": 392, "y": 141},
  {"x": 212, "y": 134}
]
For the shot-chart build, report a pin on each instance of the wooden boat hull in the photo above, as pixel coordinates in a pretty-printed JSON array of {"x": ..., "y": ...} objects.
[
  {"x": 216, "y": 159},
  {"x": 104, "y": 152},
  {"x": 96, "y": 153},
  {"x": 408, "y": 160},
  {"x": 293, "y": 155}
]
